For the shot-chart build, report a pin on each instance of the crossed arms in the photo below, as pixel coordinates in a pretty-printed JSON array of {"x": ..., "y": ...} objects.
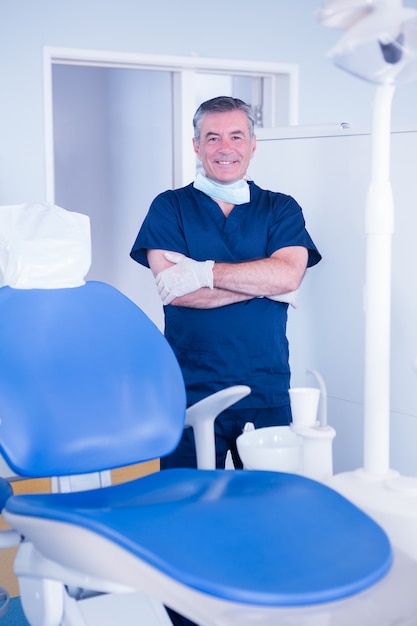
[{"x": 281, "y": 273}]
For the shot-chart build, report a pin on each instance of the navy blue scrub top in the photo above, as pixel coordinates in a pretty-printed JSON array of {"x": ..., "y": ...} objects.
[{"x": 242, "y": 343}]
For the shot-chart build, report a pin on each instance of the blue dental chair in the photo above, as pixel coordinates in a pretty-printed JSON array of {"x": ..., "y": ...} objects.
[{"x": 88, "y": 384}]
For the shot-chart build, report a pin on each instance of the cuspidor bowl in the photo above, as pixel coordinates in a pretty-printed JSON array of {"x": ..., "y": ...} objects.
[{"x": 275, "y": 448}]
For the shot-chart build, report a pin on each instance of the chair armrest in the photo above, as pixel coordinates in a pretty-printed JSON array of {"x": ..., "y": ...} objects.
[{"x": 201, "y": 415}]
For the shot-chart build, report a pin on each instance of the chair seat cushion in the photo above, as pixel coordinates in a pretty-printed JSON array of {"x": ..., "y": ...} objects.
[{"x": 262, "y": 538}]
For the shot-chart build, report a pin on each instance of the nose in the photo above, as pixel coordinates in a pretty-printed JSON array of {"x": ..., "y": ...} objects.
[{"x": 225, "y": 145}]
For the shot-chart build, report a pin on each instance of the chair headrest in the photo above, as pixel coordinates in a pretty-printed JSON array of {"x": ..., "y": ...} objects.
[{"x": 87, "y": 382}]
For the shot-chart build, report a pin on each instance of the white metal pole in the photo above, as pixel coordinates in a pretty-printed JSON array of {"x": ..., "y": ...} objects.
[{"x": 379, "y": 225}]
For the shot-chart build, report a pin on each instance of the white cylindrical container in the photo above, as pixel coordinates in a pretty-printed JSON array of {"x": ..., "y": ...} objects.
[
  {"x": 304, "y": 406},
  {"x": 317, "y": 452}
]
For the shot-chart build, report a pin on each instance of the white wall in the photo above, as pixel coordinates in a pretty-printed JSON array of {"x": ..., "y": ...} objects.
[{"x": 278, "y": 31}]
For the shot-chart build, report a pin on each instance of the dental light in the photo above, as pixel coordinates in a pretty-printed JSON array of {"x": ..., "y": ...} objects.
[
  {"x": 381, "y": 41},
  {"x": 379, "y": 46}
]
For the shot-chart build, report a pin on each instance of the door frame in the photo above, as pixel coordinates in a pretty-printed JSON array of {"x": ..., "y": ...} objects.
[{"x": 280, "y": 95}]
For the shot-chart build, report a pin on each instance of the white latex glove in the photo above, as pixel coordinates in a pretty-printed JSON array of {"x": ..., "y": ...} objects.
[
  {"x": 184, "y": 277},
  {"x": 290, "y": 297}
]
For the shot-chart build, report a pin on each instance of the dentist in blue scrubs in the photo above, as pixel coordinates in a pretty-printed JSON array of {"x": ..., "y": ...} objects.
[{"x": 227, "y": 257}]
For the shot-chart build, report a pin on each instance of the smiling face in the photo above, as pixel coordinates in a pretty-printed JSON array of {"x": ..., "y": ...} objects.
[{"x": 225, "y": 147}]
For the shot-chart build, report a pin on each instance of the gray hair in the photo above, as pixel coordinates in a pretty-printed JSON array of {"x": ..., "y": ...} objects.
[{"x": 222, "y": 104}]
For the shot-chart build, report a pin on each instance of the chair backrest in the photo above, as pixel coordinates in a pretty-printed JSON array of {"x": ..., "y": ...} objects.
[{"x": 87, "y": 382}]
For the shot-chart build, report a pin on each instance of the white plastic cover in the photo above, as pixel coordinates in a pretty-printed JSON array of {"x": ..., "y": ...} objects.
[
  {"x": 344, "y": 13},
  {"x": 43, "y": 246}
]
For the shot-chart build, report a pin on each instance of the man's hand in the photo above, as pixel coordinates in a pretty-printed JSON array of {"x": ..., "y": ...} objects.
[
  {"x": 290, "y": 297},
  {"x": 184, "y": 277}
]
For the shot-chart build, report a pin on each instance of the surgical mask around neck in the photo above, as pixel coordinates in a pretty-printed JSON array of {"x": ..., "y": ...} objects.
[{"x": 233, "y": 193}]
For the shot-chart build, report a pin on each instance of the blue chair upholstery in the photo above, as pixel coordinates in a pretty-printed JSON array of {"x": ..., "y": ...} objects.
[
  {"x": 254, "y": 537},
  {"x": 88, "y": 383},
  {"x": 87, "y": 378}
]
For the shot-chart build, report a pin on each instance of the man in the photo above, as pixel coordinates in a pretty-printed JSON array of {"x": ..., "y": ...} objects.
[{"x": 227, "y": 257}]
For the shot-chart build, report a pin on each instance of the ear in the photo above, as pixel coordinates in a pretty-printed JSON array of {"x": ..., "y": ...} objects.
[{"x": 196, "y": 147}]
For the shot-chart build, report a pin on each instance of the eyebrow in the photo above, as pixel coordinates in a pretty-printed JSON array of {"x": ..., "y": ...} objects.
[{"x": 211, "y": 133}]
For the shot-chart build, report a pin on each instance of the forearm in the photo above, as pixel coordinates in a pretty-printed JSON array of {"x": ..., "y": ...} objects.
[
  {"x": 210, "y": 298},
  {"x": 263, "y": 277},
  {"x": 206, "y": 284},
  {"x": 238, "y": 282}
]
